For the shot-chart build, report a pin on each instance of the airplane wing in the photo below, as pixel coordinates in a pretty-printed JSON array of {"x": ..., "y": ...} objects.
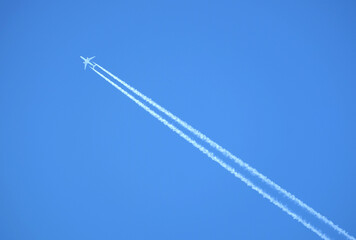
[{"x": 91, "y": 58}]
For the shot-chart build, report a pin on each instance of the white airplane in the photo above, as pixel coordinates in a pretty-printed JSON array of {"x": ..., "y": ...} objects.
[{"x": 87, "y": 61}]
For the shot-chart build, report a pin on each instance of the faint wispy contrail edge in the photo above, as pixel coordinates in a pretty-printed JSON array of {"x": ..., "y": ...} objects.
[
  {"x": 219, "y": 161},
  {"x": 233, "y": 157}
]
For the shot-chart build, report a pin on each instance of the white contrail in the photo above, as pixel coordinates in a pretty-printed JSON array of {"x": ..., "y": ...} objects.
[
  {"x": 233, "y": 157},
  {"x": 219, "y": 161}
]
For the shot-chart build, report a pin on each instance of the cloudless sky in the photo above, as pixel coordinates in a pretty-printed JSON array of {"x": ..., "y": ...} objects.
[{"x": 272, "y": 81}]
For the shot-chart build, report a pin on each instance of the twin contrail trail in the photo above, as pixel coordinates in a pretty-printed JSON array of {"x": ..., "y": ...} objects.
[
  {"x": 218, "y": 160},
  {"x": 232, "y": 157}
]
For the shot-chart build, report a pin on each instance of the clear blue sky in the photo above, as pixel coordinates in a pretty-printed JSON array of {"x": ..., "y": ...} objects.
[{"x": 274, "y": 82}]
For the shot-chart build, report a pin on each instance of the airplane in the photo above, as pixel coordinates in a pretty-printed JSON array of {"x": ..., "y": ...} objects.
[{"x": 87, "y": 61}]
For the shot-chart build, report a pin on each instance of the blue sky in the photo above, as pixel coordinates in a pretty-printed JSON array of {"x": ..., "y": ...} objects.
[{"x": 273, "y": 82}]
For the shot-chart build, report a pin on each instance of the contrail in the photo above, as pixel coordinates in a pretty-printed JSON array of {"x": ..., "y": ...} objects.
[
  {"x": 219, "y": 161},
  {"x": 233, "y": 157}
]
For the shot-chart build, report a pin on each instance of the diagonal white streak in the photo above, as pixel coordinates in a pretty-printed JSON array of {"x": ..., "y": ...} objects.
[
  {"x": 233, "y": 157},
  {"x": 219, "y": 161}
]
